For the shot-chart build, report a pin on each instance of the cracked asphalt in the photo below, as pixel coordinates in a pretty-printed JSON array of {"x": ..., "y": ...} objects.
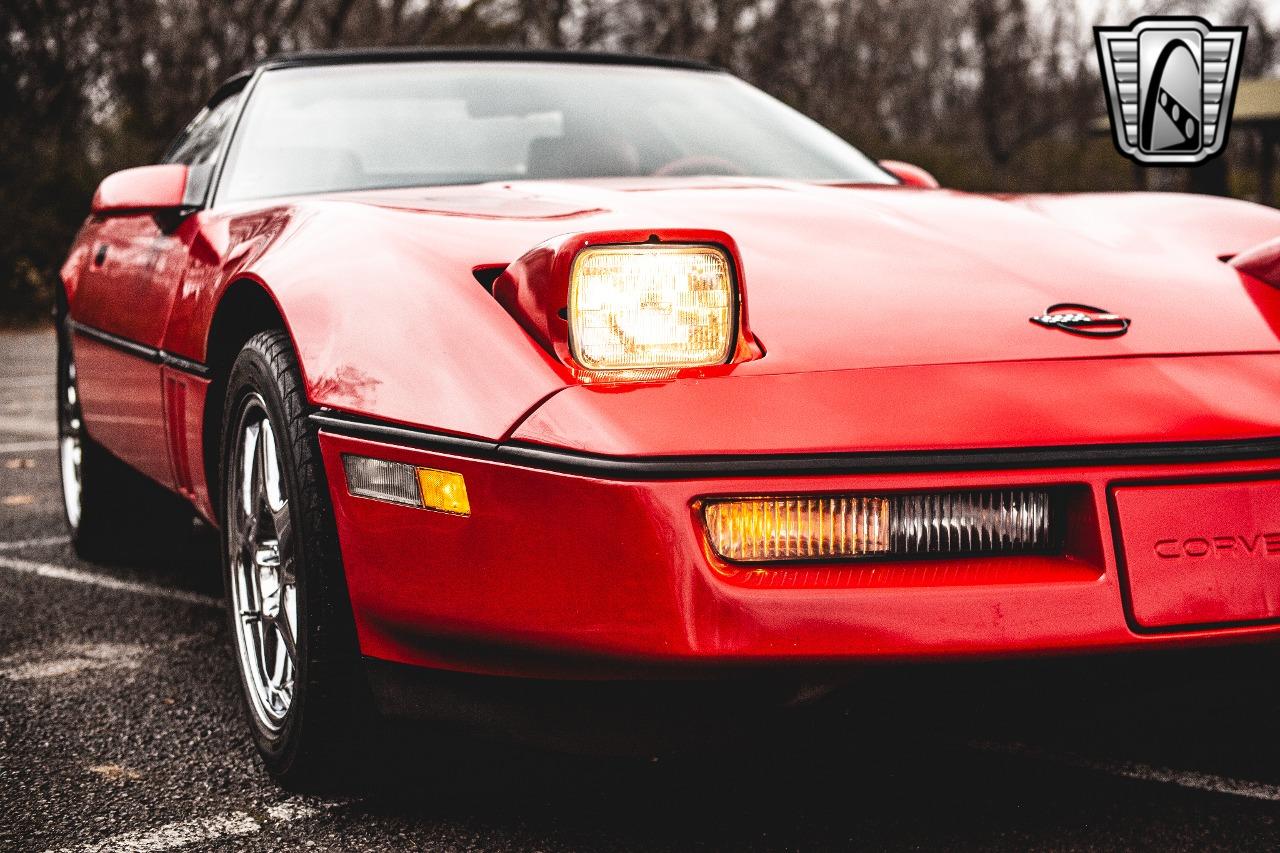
[{"x": 120, "y": 729}]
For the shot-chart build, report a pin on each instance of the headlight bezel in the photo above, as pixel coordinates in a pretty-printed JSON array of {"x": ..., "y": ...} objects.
[{"x": 535, "y": 291}]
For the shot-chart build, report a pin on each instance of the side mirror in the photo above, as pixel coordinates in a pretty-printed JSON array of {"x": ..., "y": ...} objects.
[
  {"x": 912, "y": 176},
  {"x": 1261, "y": 261},
  {"x": 146, "y": 189}
]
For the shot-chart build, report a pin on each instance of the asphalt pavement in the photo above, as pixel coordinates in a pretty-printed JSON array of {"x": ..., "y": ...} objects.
[{"x": 120, "y": 730}]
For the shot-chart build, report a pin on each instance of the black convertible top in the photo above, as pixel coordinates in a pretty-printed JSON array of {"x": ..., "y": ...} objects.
[
  {"x": 474, "y": 54},
  {"x": 352, "y": 56}
]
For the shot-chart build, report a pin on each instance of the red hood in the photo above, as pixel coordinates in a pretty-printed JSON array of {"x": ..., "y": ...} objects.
[
  {"x": 854, "y": 292},
  {"x": 849, "y": 277}
]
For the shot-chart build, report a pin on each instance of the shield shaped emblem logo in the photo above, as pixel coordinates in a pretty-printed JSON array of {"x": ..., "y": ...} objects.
[{"x": 1171, "y": 85}]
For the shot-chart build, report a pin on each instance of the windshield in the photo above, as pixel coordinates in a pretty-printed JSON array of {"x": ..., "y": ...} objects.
[{"x": 403, "y": 124}]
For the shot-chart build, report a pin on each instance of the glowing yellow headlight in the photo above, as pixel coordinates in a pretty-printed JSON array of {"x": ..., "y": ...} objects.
[{"x": 651, "y": 306}]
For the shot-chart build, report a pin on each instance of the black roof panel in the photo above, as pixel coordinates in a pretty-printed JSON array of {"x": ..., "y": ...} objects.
[{"x": 475, "y": 54}]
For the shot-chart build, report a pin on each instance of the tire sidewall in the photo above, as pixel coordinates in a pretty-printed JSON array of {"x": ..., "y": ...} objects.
[{"x": 251, "y": 375}]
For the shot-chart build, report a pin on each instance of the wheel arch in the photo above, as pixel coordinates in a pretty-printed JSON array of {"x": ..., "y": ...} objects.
[{"x": 245, "y": 308}]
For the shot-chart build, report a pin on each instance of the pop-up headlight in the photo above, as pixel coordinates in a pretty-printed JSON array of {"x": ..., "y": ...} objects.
[{"x": 651, "y": 306}]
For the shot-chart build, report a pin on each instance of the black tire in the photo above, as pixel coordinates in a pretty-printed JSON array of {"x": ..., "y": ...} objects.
[
  {"x": 113, "y": 513},
  {"x": 324, "y": 728}
]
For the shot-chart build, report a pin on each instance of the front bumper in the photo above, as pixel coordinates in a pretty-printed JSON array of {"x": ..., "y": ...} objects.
[{"x": 559, "y": 574}]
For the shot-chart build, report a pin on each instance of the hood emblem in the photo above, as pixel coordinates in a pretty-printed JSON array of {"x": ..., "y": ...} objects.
[{"x": 1084, "y": 320}]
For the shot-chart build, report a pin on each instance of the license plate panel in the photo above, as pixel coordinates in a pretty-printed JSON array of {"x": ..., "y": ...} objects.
[{"x": 1200, "y": 554}]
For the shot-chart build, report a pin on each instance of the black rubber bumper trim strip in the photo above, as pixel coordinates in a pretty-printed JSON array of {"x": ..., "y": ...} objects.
[
  {"x": 151, "y": 354},
  {"x": 116, "y": 342},
  {"x": 358, "y": 427},
  {"x": 177, "y": 362},
  {"x": 770, "y": 465}
]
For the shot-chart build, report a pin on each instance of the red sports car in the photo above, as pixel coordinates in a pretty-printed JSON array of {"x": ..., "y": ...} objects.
[{"x": 517, "y": 381}]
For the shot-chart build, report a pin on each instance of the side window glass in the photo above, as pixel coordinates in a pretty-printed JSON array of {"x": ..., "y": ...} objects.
[
  {"x": 198, "y": 146},
  {"x": 199, "y": 142}
]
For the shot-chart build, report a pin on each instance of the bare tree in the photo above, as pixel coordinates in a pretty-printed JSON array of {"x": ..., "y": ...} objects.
[{"x": 989, "y": 93}]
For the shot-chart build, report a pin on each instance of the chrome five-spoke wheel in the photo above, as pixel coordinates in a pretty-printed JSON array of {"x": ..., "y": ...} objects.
[
  {"x": 290, "y": 623},
  {"x": 264, "y": 585},
  {"x": 70, "y": 449}
]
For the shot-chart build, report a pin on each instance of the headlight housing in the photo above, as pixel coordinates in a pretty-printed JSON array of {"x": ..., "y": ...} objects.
[{"x": 652, "y": 306}]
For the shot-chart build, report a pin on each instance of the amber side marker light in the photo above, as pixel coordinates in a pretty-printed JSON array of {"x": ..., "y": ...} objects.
[
  {"x": 407, "y": 485},
  {"x": 843, "y": 527}
]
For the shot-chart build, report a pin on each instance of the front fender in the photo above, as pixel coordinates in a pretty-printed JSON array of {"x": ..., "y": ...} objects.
[{"x": 384, "y": 324}]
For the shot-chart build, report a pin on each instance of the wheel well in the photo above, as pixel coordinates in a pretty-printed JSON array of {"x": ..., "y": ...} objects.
[{"x": 245, "y": 309}]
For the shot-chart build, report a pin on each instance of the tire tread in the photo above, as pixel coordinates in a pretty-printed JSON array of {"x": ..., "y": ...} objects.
[{"x": 321, "y": 750}]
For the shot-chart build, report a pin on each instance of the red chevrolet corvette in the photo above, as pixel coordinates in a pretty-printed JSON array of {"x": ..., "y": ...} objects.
[{"x": 515, "y": 379}]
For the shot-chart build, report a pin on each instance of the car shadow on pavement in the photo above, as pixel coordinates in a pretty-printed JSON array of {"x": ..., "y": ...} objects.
[
  {"x": 959, "y": 745},
  {"x": 192, "y": 564}
]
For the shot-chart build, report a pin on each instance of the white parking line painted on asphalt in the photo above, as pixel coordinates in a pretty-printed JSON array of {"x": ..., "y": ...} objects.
[
  {"x": 293, "y": 810},
  {"x": 181, "y": 833},
  {"x": 49, "y": 570},
  {"x": 1191, "y": 779},
  {"x": 42, "y": 542},
  {"x": 27, "y": 446},
  {"x": 173, "y": 835},
  {"x": 71, "y": 659}
]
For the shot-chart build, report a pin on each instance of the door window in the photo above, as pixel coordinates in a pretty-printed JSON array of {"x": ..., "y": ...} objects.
[{"x": 199, "y": 145}]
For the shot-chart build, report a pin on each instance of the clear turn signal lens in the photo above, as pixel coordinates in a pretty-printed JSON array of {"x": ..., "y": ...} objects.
[
  {"x": 651, "y": 306},
  {"x": 841, "y": 527},
  {"x": 382, "y": 480}
]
